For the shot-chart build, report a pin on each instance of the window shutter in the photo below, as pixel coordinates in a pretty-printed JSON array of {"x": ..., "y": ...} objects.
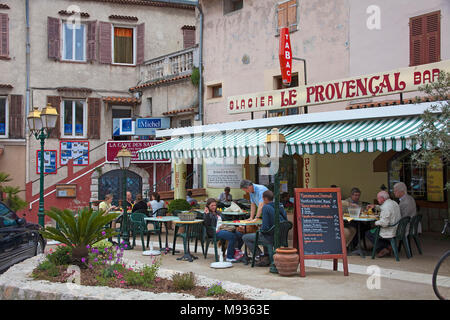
[
  {"x": 140, "y": 46},
  {"x": 433, "y": 37},
  {"x": 282, "y": 16},
  {"x": 105, "y": 42},
  {"x": 54, "y": 38},
  {"x": 55, "y": 101},
  {"x": 292, "y": 15},
  {"x": 94, "y": 107},
  {"x": 16, "y": 117},
  {"x": 4, "y": 35},
  {"x": 188, "y": 38},
  {"x": 416, "y": 43},
  {"x": 91, "y": 40}
]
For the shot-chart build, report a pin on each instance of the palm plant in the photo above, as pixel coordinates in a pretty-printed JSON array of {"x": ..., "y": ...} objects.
[
  {"x": 12, "y": 199},
  {"x": 80, "y": 231}
]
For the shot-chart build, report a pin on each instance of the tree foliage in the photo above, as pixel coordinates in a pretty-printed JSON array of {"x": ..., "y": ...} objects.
[{"x": 12, "y": 199}]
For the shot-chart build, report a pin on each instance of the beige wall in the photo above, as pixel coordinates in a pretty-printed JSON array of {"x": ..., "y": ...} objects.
[{"x": 12, "y": 162}]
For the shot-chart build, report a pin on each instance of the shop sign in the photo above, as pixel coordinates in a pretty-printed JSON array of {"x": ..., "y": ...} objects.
[
  {"x": 148, "y": 126},
  {"x": 285, "y": 55},
  {"x": 113, "y": 147},
  {"x": 221, "y": 176},
  {"x": 435, "y": 180},
  {"x": 379, "y": 84}
]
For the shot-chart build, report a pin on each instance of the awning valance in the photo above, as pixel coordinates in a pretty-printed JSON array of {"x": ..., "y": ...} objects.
[{"x": 329, "y": 137}]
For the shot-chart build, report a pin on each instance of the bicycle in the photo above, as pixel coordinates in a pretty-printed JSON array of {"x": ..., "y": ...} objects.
[{"x": 441, "y": 273}]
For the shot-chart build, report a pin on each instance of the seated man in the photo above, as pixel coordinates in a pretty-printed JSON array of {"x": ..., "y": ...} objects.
[
  {"x": 390, "y": 215},
  {"x": 407, "y": 203},
  {"x": 268, "y": 220},
  {"x": 191, "y": 200},
  {"x": 350, "y": 228}
]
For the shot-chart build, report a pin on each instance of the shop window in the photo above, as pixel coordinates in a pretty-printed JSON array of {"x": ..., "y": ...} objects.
[
  {"x": 3, "y": 118},
  {"x": 74, "y": 119},
  {"x": 287, "y": 15},
  {"x": 232, "y": 5},
  {"x": 123, "y": 45},
  {"x": 425, "y": 38},
  {"x": 74, "y": 39}
]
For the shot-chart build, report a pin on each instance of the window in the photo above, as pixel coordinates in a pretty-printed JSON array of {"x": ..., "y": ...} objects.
[
  {"x": 74, "y": 40},
  {"x": 74, "y": 119},
  {"x": 217, "y": 91},
  {"x": 3, "y": 118},
  {"x": 185, "y": 123},
  {"x": 278, "y": 84},
  {"x": 4, "y": 35},
  {"x": 425, "y": 38},
  {"x": 150, "y": 106},
  {"x": 120, "y": 112},
  {"x": 124, "y": 45},
  {"x": 232, "y": 5},
  {"x": 287, "y": 15}
]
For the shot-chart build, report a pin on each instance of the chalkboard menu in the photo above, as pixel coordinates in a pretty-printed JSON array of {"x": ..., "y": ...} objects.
[{"x": 319, "y": 223}]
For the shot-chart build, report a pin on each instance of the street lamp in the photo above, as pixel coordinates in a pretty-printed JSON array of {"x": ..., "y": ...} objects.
[
  {"x": 124, "y": 159},
  {"x": 40, "y": 124},
  {"x": 276, "y": 143}
]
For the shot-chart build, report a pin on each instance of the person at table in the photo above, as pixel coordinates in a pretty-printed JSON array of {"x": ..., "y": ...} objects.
[
  {"x": 140, "y": 205},
  {"x": 268, "y": 221},
  {"x": 106, "y": 207},
  {"x": 129, "y": 202},
  {"x": 156, "y": 203},
  {"x": 189, "y": 198},
  {"x": 407, "y": 203},
  {"x": 256, "y": 197},
  {"x": 390, "y": 215},
  {"x": 213, "y": 219},
  {"x": 225, "y": 196},
  {"x": 354, "y": 199}
]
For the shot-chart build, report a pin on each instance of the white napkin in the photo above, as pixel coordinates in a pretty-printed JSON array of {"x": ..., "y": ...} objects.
[{"x": 233, "y": 208}]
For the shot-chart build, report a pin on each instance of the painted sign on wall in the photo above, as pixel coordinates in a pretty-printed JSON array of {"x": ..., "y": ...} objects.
[
  {"x": 112, "y": 147},
  {"x": 379, "y": 84}
]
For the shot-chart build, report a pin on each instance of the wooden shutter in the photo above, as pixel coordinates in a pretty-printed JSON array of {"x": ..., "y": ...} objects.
[
  {"x": 4, "y": 35},
  {"x": 282, "y": 16},
  {"x": 425, "y": 38},
  {"x": 105, "y": 42},
  {"x": 292, "y": 15},
  {"x": 91, "y": 40},
  {"x": 55, "y": 101},
  {"x": 16, "y": 117},
  {"x": 54, "y": 38},
  {"x": 188, "y": 38},
  {"x": 433, "y": 37},
  {"x": 140, "y": 46},
  {"x": 416, "y": 45},
  {"x": 94, "y": 118}
]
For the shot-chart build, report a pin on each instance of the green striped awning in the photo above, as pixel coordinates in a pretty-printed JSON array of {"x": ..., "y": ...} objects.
[{"x": 329, "y": 137}]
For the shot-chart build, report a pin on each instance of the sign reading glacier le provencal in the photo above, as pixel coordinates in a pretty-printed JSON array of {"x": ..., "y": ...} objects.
[{"x": 379, "y": 84}]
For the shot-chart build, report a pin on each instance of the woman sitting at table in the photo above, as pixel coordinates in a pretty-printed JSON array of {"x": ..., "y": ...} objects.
[
  {"x": 106, "y": 207},
  {"x": 156, "y": 203},
  {"x": 140, "y": 205},
  {"x": 213, "y": 219}
]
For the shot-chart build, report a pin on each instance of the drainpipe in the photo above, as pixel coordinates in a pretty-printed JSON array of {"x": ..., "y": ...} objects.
[{"x": 27, "y": 96}]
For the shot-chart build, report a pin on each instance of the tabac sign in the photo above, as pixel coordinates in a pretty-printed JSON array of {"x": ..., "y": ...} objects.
[
  {"x": 285, "y": 55},
  {"x": 379, "y": 84}
]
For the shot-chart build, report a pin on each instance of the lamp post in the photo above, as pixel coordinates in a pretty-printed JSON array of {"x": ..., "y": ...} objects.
[
  {"x": 40, "y": 124},
  {"x": 124, "y": 159},
  {"x": 276, "y": 142}
]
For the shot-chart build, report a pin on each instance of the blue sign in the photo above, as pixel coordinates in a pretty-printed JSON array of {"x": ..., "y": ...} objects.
[
  {"x": 148, "y": 126},
  {"x": 2, "y": 128},
  {"x": 150, "y": 123}
]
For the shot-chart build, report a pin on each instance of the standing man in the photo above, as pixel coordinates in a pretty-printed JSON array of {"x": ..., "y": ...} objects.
[
  {"x": 256, "y": 197},
  {"x": 407, "y": 203}
]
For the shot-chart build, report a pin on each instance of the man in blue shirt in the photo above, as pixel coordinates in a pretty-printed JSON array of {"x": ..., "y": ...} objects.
[
  {"x": 268, "y": 221},
  {"x": 256, "y": 197}
]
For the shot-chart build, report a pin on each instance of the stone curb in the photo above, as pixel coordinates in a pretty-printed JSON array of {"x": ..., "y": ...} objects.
[{"x": 17, "y": 284}]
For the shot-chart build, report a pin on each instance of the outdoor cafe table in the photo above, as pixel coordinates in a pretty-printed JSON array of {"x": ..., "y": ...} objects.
[
  {"x": 165, "y": 220},
  {"x": 230, "y": 215},
  {"x": 359, "y": 221},
  {"x": 243, "y": 223},
  {"x": 187, "y": 253}
]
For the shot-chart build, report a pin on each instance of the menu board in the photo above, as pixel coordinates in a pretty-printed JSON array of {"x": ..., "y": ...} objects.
[
  {"x": 319, "y": 224},
  {"x": 76, "y": 150}
]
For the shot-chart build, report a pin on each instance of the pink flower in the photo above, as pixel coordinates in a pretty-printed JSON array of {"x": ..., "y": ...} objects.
[{"x": 122, "y": 282}]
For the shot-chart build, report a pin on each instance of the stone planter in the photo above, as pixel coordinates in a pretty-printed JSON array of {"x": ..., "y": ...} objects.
[{"x": 286, "y": 261}]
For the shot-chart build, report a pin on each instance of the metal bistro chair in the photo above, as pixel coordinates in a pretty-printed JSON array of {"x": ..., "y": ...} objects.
[
  {"x": 414, "y": 232},
  {"x": 139, "y": 225},
  {"x": 400, "y": 236},
  {"x": 195, "y": 232},
  {"x": 285, "y": 226},
  {"x": 207, "y": 240}
]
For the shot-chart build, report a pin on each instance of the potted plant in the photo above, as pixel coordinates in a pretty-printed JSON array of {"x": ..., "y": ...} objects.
[{"x": 178, "y": 205}]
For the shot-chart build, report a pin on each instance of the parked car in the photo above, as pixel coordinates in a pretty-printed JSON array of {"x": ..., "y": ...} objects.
[{"x": 19, "y": 239}]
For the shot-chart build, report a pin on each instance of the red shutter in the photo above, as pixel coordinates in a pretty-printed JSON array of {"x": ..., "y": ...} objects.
[
  {"x": 433, "y": 37},
  {"x": 140, "y": 47},
  {"x": 188, "y": 38},
  {"x": 105, "y": 42},
  {"x": 16, "y": 117},
  {"x": 54, "y": 38},
  {"x": 416, "y": 41},
  {"x": 55, "y": 101},
  {"x": 91, "y": 40},
  {"x": 4, "y": 35},
  {"x": 292, "y": 15},
  {"x": 94, "y": 108}
]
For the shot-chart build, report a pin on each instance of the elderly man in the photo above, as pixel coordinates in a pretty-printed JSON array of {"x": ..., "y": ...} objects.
[
  {"x": 390, "y": 215},
  {"x": 407, "y": 203},
  {"x": 256, "y": 197},
  {"x": 353, "y": 200}
]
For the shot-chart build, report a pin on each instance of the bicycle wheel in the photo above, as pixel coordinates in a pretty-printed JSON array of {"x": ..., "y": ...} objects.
[{"x": 441, "y": 277}]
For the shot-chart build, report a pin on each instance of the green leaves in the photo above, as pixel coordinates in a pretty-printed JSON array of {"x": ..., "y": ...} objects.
[{"x": 79, "y": 229}]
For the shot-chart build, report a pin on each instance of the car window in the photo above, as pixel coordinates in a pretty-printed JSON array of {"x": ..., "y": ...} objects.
[{"x": 6, "y": 212}]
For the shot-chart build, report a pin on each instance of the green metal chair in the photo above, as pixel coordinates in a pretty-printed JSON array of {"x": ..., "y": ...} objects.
[
  {"x": 195, "y": 232},
  {"x": 400, "y": 237},
  {"x": 207, "y": 240},
  {"x": 139, "y": 226},
  {"x": 414, "y": 232},
  {"x": 285, "y": 226}
]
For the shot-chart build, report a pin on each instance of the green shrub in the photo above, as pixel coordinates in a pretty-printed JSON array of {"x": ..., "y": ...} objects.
[
  {"x": 45, "y": 265},
  {"x": 108, "y": 272},
  {"x": 215, "y": 290},
  {"x": 184, "y": 281},
  {"x": 195, "y": 76},
  {"x": 61, "y": 256},
  {"x": 143, "y": 277},
  {"x": 178, "y": 204}
]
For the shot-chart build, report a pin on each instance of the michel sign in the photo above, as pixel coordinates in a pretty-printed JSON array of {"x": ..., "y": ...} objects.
[{"x": 379, "y": 84}]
